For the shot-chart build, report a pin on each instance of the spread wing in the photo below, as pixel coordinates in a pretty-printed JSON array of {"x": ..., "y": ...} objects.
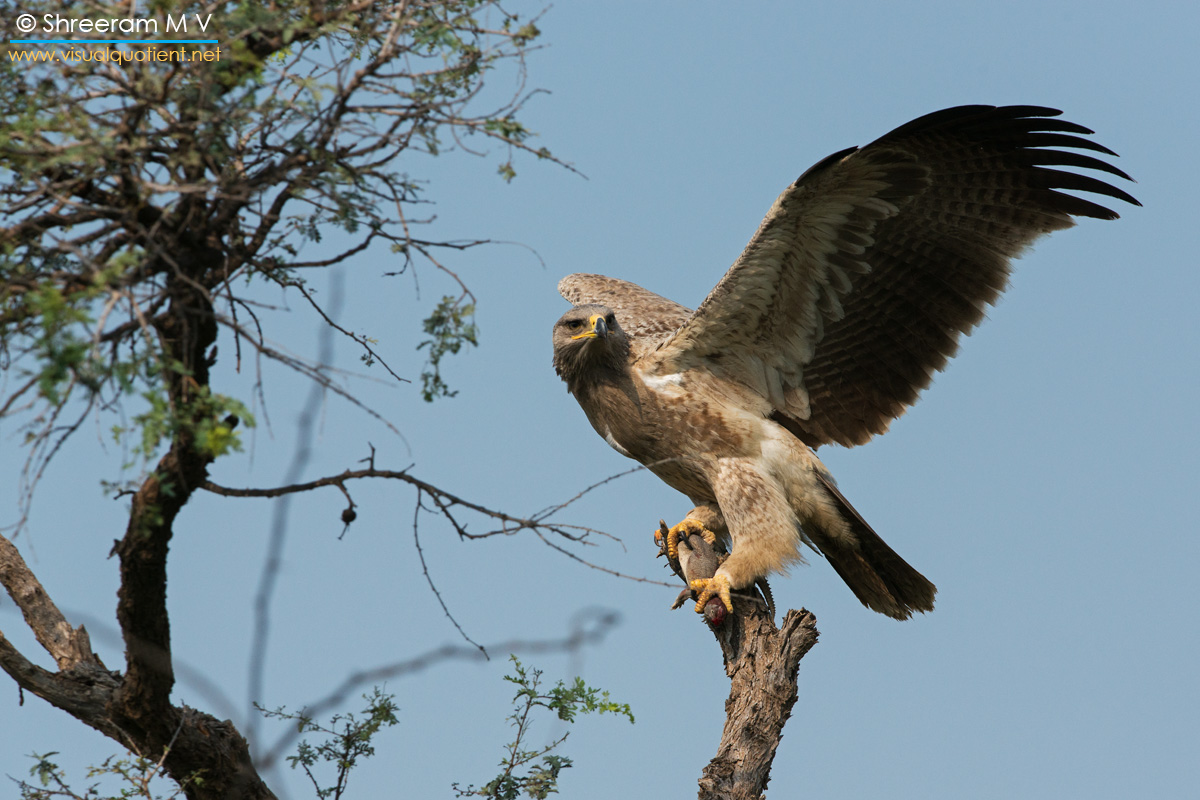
[
  {"x": 647, "y": 318},
  {"x": 868, "y": 269}
]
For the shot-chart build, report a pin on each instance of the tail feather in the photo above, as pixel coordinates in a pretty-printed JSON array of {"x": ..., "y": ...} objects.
[{"x": 880, "y": 578}]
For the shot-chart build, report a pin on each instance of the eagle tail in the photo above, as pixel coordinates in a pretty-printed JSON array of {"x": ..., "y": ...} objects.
[{"x": 880, "y": 578}]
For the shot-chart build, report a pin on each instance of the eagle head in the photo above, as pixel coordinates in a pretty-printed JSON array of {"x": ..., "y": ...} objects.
[{"x": 587, "y": 342}]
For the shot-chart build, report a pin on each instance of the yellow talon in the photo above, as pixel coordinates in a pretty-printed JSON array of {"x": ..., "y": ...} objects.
[
  {"x": 686, "y": 528},
  {"x": 708, "y": 588}
]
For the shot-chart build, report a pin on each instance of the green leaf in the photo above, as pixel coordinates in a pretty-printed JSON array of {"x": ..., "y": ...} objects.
[
  {"x": 535, "y": 773},
  {"x": 450, "y": 326}
]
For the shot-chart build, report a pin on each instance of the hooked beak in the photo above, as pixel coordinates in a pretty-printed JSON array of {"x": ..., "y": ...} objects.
[{"x": 599, "y": 329}]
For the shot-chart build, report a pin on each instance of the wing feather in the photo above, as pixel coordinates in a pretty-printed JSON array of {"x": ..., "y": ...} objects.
[{"x": 866, "y": 272}]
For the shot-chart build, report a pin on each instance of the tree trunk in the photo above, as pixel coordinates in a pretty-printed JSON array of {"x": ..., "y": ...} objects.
[{"x": 762, "y": 662}]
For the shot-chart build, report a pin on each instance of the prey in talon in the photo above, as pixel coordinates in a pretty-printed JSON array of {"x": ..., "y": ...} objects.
[
  {"x": 698, "y": 555},
  {"x": 686, "y": 528}
]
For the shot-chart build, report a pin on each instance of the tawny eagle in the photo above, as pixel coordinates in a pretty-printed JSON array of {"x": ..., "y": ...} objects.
[{"x": 854, "y": 290}]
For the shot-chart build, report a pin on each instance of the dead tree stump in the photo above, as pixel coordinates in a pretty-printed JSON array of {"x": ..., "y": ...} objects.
[{"x": 762, "y": 662}]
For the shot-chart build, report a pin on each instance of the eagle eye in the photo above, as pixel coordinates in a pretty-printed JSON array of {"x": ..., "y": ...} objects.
[
  {"x": 573, "y": 324},
  {"x": 611, "y": 320}
]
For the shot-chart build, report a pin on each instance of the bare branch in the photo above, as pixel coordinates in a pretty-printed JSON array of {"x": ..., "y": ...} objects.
[
  {"x": 68, "y": 646},
  {"x": 446, "y": 502},
  {"x": 362, "y": 341},
  {"x": 510, "y": 524},
  {"x": 417, "y": 508}
]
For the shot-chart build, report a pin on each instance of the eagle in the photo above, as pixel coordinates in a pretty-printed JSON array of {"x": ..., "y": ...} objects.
[{"x": 853, "y": 292}]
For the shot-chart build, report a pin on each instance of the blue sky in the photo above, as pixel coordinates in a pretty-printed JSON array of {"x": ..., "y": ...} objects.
[{"x": 1046, "y": 482}]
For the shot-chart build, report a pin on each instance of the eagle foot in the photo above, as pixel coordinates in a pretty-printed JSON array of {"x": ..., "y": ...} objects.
[
  {"x": 688, "y": 527},
  {"x": 707, "y": 588}
]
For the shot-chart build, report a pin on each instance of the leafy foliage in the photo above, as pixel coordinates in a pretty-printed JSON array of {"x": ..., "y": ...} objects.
[
  {"x": 450, "y": 326},
  {"x": 156, "y": 210},
  {"x": 132, "y": 778},
  {"x": 347, "y": 740},
  {"x": 151, "y": 203},
  {"x": 535, "y": 772},
  {"x": 333, "y": 750}
]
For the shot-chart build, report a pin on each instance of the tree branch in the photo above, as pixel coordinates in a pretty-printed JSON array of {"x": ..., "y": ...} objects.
[
  {"x": 445, "y": 503},
  {"x": 84, "y": 693},
  {"x": 192, "y": 742},
  {"x": 445, "y": 500},
  {"x": 68, "y": 646}
]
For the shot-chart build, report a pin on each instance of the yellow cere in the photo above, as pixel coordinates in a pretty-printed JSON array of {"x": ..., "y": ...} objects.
[{"x": 592, "y": 333}]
